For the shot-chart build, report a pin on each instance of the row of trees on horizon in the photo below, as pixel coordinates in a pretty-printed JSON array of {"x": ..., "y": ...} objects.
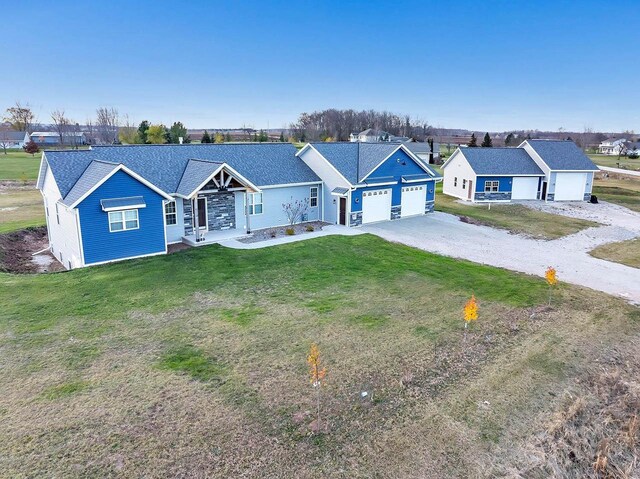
[{"x": 109, "y": 127}]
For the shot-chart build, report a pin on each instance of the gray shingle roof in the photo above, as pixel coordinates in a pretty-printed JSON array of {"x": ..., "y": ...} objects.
[
  {"x": 90, "y": 176},
  {"x": 11, "y": 135},
  {"x": 164, "y": 165},
  {"x": 562, "y": 155},
  {"x": 501, "y": 161},
  {"x": 194, "y": 174},
  {"x": 355, "y": 160}
]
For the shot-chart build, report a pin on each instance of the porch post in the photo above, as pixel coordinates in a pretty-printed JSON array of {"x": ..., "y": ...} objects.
[
  {"x": 196, "y": 218},
  {"x": 246, "y": 211}
]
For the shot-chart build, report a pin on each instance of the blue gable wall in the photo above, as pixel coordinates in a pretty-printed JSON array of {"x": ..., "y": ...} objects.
[
  {"x": 394, "y": 168},
  {"x": 101, "y": 245},
  {"x": 506, "y": 182}
]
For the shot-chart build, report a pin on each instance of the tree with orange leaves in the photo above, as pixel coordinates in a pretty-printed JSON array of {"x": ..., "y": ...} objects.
[
  {"x": 470, "y": 313},
  {"x": 317, "y": 373},
  {"x": 552, "y": 280}
]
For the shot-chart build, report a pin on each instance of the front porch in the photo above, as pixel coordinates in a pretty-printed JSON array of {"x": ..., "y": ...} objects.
[{"x": 211, "y": 237}]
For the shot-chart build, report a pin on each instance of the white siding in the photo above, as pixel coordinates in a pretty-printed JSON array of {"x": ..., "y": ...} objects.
[
  {"x": 331, "y": 178},
  {"x": 458, "y": 167},
  {"x": 176, "y": 232},
  {"x": 62, "y": 227},
  {"x": 539, "y": 161}
]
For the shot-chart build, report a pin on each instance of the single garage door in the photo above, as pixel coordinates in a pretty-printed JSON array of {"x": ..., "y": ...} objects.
[
  {"x": 570, "y": 186},
  {"x": 376, "y": 206},
  {"x": 413, "y": 200},
  {"x": 524, "y": 188}
]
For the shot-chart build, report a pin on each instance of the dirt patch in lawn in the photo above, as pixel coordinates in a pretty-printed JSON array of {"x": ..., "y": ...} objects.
[
  {"x": 279, "y": 232},
  {"x": 17, "y": 248}
]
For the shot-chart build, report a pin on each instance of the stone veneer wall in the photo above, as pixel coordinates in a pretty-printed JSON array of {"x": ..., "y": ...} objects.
[
  {"x": 221, "y": 212},
  {"x": 396, "y": 212},
  {"x": 428, "y": 206},
  {"x": 587, "y": 196},
  {"x": 355, "y": 219},
  {"x": 495, "y": 196},
  {"x": 187, "y": 216},
  {"x": 550, "y": 196}
]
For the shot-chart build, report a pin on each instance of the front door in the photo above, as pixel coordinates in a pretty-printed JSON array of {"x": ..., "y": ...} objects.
[
  {"x": 470, "y": 192},
  {"x": 343, "y": 211},
  {"x": 202, "y": 214}
]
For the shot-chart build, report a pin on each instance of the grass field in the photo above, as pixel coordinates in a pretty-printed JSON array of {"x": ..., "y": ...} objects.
[
  {"x": 20, "y": 207},
  {"x": 19, "y": 166},
  {"x": 618, "y": 189},
  {"x": 625, "y": 252},
  {"x": 193, "y": 364},
  {"x": 612, "y": 162},
  {"x": 512, "y": 217}
]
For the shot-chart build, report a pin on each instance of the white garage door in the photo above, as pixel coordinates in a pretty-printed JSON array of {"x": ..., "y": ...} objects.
[
  {"x": 524, "y": 188},
  {"x": 376, "y": 206},
  {"x": 413, "y": 200},
  {"x": 570, "y": 186}
]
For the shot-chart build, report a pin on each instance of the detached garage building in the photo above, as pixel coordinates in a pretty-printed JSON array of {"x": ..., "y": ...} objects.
[{"x": 547, "y": 170}]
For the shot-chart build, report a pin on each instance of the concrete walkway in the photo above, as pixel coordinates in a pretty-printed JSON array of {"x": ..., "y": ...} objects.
[
  {"x": 620, "y": 171},
  {"x": 445, "y": 234},
  {"x": 325, "y": 231}
]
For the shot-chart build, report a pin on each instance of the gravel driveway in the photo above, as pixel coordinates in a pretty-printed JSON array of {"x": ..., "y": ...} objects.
[{"x": 446, "y": 234}]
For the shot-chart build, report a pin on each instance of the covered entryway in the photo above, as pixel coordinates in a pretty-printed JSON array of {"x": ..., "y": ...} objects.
[
  {"x": 376, "y": 206},
  {"x": 413, "y": 200},
  {"x": 524, "y": 188},
  {"x": 570, "y": 186}
]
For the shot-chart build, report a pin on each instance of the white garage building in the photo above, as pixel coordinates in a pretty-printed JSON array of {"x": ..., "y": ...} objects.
[{"x": 547, "y": 170}]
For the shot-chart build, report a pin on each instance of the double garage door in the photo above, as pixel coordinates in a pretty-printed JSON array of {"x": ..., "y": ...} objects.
[{"x": 376, "y": 205}]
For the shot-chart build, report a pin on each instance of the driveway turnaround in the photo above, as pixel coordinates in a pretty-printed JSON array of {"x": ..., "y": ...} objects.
[{"x": 445, "y": 234}]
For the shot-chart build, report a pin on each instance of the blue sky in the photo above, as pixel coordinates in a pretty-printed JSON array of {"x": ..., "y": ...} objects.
[{"x": 477, "y": 65}]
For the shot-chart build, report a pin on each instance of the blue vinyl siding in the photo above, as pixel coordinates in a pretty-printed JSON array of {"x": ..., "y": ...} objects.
[
  {"x": 272, "y": 211},
  {"x": 101, "y": 245},
  {"x": 506, "y": 182},
  {"x": 394, "y": 167}
]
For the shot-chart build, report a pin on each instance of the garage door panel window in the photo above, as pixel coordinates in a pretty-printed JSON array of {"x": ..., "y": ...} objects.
[{"x": 491, "y": 186}]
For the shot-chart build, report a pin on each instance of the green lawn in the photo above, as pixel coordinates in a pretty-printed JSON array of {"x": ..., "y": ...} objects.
[
  {"x": 625, "y": 252},
  {"x": 512, "y": 217},
  {"x": 618, "y": 189},
  {"x": 193, "y": 364},
  {"x": 612, "y": 162},
  {"x": 20, "y": 207},
  {"x": 18, "y": 165}
]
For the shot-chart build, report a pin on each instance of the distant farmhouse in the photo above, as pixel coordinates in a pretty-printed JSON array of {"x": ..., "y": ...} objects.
[
  {"x": 13, "y": 139},
  {"x": 612, "y": 146},
  {"x": 52, "y": 138}
]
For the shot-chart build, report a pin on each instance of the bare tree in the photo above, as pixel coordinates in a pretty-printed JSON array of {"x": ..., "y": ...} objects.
[
  {"x": 128, "y": 133},
  {"x": 21, "y": 117},
  {"x": 90, "y": 129},
  {"x": 62, "y": 124},
  {"x": 295, "y": 210},
  {"x": 107, "y": 124}
]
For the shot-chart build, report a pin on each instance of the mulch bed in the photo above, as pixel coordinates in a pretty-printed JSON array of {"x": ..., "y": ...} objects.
[
  {"x": 280, "y": 231},
  {"x": 17, "y": 247}
]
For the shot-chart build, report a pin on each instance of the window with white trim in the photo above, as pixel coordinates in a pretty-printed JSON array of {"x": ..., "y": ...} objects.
[
  {"x": 313, "y": 197},
  {"x": 255, "y": 203},
  {"x": 464, "y": 184},
  {"x": 455, "y": 181},
  {"x": 491, "y": 186},
  {"x": 57, "y": 214},
  {"x": 170, "y": 214},
  {"x": 123, "y": 220}
]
